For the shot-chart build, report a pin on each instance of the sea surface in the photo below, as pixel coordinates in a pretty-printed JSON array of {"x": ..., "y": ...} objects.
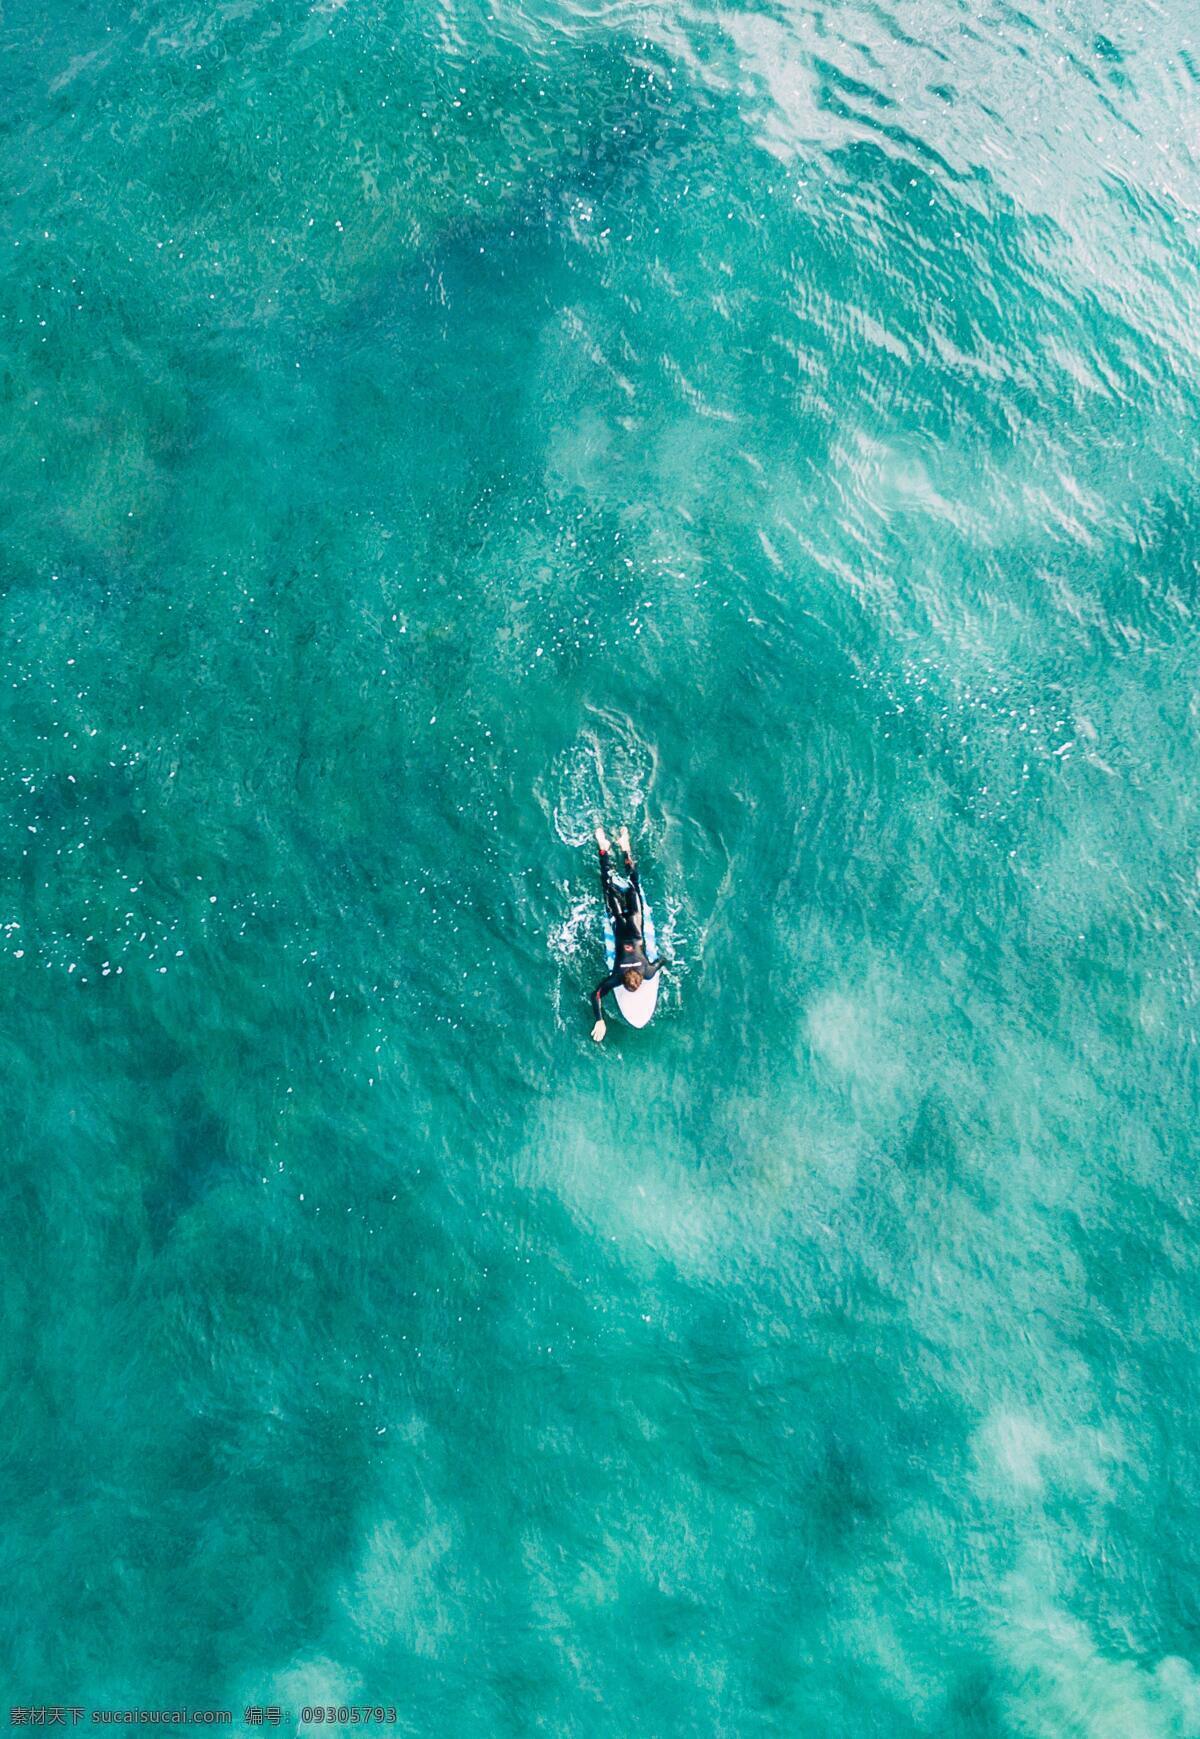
[{"x": 429, "y": 428}]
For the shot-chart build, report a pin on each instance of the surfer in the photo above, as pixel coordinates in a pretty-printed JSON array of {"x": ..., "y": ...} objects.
[{"x": 632, "y": 965}]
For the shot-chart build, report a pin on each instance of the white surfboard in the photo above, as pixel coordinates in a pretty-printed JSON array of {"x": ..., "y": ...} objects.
[{"x": 636, "y": 1006}]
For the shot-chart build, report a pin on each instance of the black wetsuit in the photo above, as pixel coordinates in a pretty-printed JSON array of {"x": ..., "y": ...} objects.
[{"x": 625, "y": 910}]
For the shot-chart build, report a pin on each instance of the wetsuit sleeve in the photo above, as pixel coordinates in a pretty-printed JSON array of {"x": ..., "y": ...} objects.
[
  {"x": 653, "y": 970},
  {"x": 602, "y": 989}
]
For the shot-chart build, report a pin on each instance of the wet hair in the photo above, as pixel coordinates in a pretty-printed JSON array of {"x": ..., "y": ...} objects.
[{"x": 632, "y": 978}]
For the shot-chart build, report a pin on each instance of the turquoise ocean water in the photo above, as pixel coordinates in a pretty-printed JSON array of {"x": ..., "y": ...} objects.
[{"x": 427, "y": 427}]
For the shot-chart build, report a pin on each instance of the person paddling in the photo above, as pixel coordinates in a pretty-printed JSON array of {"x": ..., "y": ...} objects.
[{"x": 632, "y": 964}]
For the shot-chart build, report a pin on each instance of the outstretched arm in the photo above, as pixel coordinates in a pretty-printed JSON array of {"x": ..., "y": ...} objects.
[{"x": 602, "y": 989}]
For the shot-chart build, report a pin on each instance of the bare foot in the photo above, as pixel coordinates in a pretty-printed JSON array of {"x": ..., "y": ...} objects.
[
  {"x": 601, "y": 837},
  {"x": 623, "y": 840}
]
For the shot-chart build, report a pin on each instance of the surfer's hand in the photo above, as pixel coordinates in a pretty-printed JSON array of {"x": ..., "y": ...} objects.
[{"x": 599, "y": 1030}]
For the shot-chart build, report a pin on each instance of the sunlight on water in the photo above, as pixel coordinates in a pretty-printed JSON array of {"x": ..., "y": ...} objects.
[{"x": 433, "y": 430}]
